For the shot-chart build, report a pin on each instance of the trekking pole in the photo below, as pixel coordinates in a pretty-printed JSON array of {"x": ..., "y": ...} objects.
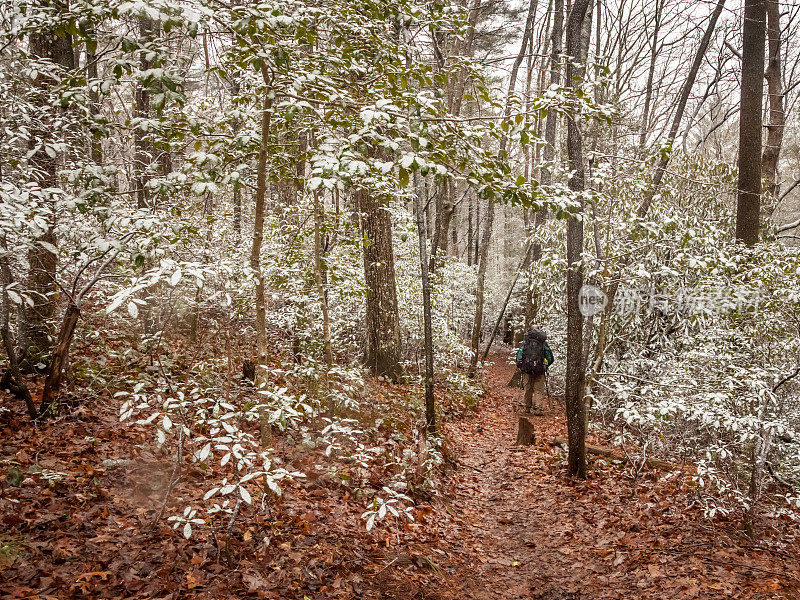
[{"x": 547, "y": 386}]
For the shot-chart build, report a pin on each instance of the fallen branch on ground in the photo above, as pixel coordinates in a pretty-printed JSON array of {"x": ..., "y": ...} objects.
[{"x": 651, "y": 463}]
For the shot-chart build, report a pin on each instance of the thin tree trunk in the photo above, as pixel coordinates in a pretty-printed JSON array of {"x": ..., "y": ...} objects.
[
  {"x": 427, "y": 320},
  {"x": 318, "y": 269},
  {"x": 16, "y": 381},
  {"x": 237, "y": 186},
  {"x": 258, "y": 230},
  {"x": 499, "y": 320},
  {"x": 470, "y": 229},
  {"x": 577, "y": 46},
  {"x": 760, "y": 453},
  {"x": 58, "y": 360},
  {"x": 748, "y": 205},
  {"x": 650, "y": 74},
  {"x": 96, "y": 146},
  {"x": 777, "y": 114}
]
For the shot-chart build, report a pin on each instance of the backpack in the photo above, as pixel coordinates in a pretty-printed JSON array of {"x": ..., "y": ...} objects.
[{"x": 534, "y": 356}]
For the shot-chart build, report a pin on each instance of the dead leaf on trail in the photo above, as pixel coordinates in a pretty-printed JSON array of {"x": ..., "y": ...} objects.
[{"x": 195, "y": 578}]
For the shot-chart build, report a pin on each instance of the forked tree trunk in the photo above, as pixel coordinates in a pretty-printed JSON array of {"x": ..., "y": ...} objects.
[
  {"x": 748, "y": 205},
  {"x": 577, "y": 45},
  {"x": 58, "y": 360}
]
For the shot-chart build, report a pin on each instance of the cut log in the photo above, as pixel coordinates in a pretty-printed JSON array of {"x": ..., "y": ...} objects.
[
  {"x": 652, "y": 463},
  {"x": 526, "y": 434}
]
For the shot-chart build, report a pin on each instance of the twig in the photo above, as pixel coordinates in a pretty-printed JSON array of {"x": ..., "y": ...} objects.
[
  {"x": 786, "y": 379},
  {"x": 458, "y": 462}
]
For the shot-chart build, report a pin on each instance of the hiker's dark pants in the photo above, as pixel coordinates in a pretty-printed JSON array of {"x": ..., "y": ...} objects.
[{"x": 534, "y": 386}]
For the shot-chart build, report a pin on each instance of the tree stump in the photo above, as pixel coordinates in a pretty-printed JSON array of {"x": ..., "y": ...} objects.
[
  {"x": 526, "y": 434},
  {"x": 249, "y": 370}
]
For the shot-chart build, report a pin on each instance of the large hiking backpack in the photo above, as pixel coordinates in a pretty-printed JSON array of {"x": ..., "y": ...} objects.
[{"x": 532, "y": 356}]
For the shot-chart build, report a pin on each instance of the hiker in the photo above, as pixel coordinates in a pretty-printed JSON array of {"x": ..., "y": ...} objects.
[{"x": 533, "y": 359}]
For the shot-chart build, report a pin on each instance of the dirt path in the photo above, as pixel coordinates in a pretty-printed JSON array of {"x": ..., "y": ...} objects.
[{"x": 523, "y": 530}]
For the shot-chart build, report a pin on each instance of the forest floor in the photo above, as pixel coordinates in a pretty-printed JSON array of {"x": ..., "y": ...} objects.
[
  {"x": 506, "y": 523},
  {"x": 527, "y": 531}
]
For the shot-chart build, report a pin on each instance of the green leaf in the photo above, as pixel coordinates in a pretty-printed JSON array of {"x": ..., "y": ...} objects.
[{"x": 403, "y": 177}]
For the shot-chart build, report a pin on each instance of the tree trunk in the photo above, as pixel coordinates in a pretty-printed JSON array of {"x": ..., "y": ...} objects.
[
  {"x": 142, "y": 150},
  {"x": 95, "y": 144},
  {"x": 427, "y": 319},
  {"x": 382, "y": 354},
  {"x": 648, "y": 96},
  {"x": 526, "y": 431},
  {"x": 577, "y": 45},
  {"x": 748, "y": 206},
  {"x": 319, "y": 216},
  {"x": 58, "y": 360},
  {"x": 35, "y": 321},
  {"x": 777, "y": 115},
  {"x": 235, "y": 88},
  {"x": 258, "y": 234},
  {"x": 14, "y": 378}
]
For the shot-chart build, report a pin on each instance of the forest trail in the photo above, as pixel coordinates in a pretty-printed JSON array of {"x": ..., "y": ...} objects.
[{"x": 526, "y": 531}]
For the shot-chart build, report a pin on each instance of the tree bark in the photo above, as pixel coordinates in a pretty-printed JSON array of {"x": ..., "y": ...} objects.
[
  {"x": 14, "y": 377},
  {"x": 95, "y": 144},
  {"x": 382, "y": 354},
  {"x": 319, "y": 215},
  {"x": 35, "y": 321},
  {"x": 427, "y": 319},
  {"x": 58, "y": 359},
  {"x": 143, "y": 154},
  {"x": 748, "y": 205},
  {"x": 577, "y": 45},
  {"x": 777, "y": 114},
  {"x": 258, "y": 231}
]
